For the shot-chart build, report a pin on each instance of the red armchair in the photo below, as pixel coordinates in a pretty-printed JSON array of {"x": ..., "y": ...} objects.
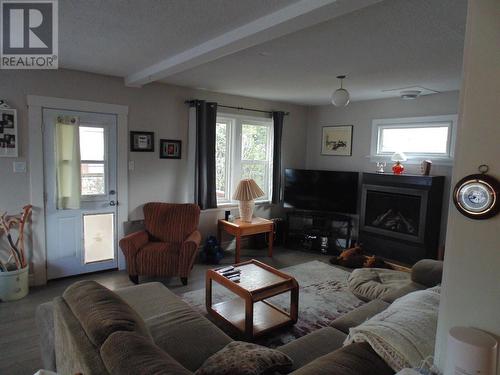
[{"x": 169, "y": 244}]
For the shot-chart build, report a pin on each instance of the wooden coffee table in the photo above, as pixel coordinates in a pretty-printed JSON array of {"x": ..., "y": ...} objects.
[{"x": 251, "y": 314}]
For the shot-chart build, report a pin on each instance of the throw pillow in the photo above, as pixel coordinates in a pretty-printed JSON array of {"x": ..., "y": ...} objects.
[{"x": 243, "y": 358}]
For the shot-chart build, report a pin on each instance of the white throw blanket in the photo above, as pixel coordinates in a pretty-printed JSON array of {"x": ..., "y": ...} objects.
[{"x": 403, "y": 335}]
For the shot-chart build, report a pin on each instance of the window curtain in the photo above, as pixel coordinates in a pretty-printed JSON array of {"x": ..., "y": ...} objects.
[
  {"x": 278, "y": 134},
  {"x": 67, "y": 147},
  {"x": 206, "y": 118}
]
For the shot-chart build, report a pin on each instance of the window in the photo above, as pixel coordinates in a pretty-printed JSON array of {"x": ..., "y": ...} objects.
[
  {"x": 93, "y": 164},
  {"x": 419, "y": 137},
  {"x": 243, "y": 150}
]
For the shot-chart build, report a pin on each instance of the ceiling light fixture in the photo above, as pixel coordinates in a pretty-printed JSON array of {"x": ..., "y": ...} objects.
[
  {"x": 341, "y": 97},
  {"x": 410, "y": 94}
]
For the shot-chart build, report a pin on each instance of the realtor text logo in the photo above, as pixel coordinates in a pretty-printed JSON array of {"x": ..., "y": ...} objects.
[{"x": 29, "y": 34}]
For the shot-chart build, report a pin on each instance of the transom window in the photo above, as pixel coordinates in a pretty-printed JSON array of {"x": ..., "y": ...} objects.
[
  {"x": 93, "y": 163},
  {"x": 419, "y": 137},
  {"x": 243, "y": 150}
]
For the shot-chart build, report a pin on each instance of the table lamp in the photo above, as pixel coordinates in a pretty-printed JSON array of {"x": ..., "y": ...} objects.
[
  {"x": 398, "y": 157},
  {"x": 245, "y": 193}
]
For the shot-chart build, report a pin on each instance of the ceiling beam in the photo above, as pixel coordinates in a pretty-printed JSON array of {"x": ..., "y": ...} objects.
[{"x": 297, "y": 16}]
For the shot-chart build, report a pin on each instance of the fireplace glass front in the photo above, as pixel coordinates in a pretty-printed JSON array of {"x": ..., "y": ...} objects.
[{"x": 393, "y": 212}]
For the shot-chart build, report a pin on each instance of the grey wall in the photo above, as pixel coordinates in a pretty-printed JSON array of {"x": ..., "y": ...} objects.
[
  {"x": 360, "y": 115},
  {"x": 155, "y": 107},
  {"x": 470, "y": 295}
]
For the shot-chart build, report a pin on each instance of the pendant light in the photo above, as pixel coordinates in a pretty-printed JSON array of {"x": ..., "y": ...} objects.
[{"x": 340, "y": 97}]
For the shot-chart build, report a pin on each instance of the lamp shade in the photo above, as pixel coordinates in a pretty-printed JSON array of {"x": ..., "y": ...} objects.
[
  {"x": 399, "y": 156},
  {"x": 340, "y": 98},
  {"x": 247, "y": 190}
]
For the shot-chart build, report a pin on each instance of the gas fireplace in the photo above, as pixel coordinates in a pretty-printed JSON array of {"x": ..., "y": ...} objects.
[{"x": 400, "y": 216}]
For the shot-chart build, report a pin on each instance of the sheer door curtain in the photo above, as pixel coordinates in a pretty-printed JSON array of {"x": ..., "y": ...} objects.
[{"x": 67, "y": 146}]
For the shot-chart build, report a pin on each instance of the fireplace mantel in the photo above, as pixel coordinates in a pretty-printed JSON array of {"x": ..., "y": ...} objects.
[{"x": 401, "y": 215}]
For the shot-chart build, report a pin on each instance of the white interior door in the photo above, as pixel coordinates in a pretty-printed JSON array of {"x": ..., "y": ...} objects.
[{"x": 82, "y": 240}]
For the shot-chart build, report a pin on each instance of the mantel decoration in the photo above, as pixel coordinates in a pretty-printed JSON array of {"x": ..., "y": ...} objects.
[
  {"x": 245, "y": 193},
  {"x": 13, "y": 259},
  {"x": 337, "y": 140},
  {"x": 8, "y": 131},
  {"x": 398, "y": 157},
  {"x": 477, "y": 195}
]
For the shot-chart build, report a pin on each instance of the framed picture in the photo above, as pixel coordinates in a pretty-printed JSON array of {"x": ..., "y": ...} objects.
[
  {"x": 170, "y": 149},
  {"x": 9, "y": 141},
  {"x": 142, "y": 141},
  {"x": 337, "y": 140}
]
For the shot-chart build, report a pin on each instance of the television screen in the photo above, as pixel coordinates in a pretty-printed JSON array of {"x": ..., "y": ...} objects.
[{"x": 328, "y": 191}]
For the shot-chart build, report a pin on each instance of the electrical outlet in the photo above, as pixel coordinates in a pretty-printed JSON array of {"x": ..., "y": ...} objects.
[{"x": 19, "y": 166}]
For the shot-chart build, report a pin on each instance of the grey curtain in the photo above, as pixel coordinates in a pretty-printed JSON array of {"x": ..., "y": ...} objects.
[
  {"x": 206, "y": 117},
  {"x": 278, "y": 133}
]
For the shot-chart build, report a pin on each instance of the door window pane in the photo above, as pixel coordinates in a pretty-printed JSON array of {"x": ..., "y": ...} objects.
[
  {"x": 98, "y": 237},
  {"x": 91, "y": 143},
  {"x": 254, "y": 142},
  {"x": 93, "y": 181}
]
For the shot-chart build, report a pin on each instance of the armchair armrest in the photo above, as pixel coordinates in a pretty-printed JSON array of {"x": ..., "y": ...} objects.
[
  {"x": 130, "y": 245},
  {"x": 188, "y": 253}
]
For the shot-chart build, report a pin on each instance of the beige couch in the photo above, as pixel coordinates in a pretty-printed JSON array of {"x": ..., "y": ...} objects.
[{"x": 72, "y": 338}]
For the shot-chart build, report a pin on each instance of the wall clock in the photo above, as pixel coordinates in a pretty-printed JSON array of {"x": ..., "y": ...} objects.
[{"x": 477, "y": 195}]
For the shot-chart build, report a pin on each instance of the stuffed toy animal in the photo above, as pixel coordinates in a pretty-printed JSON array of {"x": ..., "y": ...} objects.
[{"x": 355, "y": 257}]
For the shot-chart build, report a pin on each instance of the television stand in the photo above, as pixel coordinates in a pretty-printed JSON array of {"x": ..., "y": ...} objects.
[{"x": 327, "y": 232}]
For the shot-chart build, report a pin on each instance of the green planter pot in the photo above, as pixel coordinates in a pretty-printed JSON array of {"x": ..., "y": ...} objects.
[{"x": 14, "y": 285}]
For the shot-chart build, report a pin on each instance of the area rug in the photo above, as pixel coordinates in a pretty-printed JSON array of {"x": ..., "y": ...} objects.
[{"x": 323, "y": 297}]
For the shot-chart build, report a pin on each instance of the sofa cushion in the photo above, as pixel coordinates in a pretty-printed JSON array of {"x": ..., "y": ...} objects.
[
  {"x": 309, "y": 347},
  {"x": 359, "y": 315},
  {"x": 370, "y": 283},
  {"x": 186, "y": 335},
  {"x": 393, "y": 295},
  {"x": 101, "y": 312},
  {"x": 158, "y": 258},
  {"x": 427, "y": 272},
  {"x": 243, "y": 358},
  {"x": 354, "y": 359},
  {"x": 129, "y": 353}
]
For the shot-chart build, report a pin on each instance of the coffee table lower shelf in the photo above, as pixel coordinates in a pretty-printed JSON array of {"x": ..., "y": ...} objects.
[{"x": 266, "y": 316}]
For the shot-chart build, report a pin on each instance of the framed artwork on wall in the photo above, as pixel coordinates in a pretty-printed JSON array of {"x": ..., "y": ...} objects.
[
  {"x": 9, "y": 141},
  {"x": 337, "y": 140},
  {"x": 142, "y": 141},
  {"x": 170, "y": 149}
]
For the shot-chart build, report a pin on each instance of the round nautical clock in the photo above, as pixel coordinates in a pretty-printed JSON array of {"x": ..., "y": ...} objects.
[{"x": 477, "y": 195}]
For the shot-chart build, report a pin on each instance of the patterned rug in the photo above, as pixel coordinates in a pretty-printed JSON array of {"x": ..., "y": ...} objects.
[{"x": 323, "y": 297}]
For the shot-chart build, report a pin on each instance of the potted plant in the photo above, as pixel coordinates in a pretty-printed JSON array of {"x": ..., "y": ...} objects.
[{"x": 14, "y": 269}]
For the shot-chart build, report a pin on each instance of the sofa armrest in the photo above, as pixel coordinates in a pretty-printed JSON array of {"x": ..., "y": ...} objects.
[
  {"x": 313, "y": 345},
  {"x": 427, "y": 272},
  {"x": 188, "y": 253},
  {"x": 44, "y": 316},
  {"x": 131, "y": 245},
  {"x": 359, "y": 315}
]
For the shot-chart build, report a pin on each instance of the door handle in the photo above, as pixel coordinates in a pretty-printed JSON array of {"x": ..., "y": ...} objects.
[{"x": 113, "y": 203}]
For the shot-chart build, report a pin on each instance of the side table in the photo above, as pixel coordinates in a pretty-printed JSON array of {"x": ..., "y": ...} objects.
[{"x": 240, "y": 229}]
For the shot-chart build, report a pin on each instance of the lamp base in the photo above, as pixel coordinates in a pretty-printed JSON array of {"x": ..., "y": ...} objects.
[
  {"x": 246, "y": 210},
  {"x": 398, "y": 168}
]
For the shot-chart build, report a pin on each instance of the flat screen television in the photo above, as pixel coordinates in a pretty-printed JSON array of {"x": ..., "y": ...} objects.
[{"x": 327, "y": 191}]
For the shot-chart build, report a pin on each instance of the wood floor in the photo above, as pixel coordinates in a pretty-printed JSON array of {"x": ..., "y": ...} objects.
[{"x": 19, "y": 343}]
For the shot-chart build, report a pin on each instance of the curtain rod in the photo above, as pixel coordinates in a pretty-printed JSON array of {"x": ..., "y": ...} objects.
[{"x": 241, "y": 108}]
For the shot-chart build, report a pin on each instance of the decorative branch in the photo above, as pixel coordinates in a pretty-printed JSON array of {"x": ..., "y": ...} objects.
[{"x": 16, "y": 249}]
